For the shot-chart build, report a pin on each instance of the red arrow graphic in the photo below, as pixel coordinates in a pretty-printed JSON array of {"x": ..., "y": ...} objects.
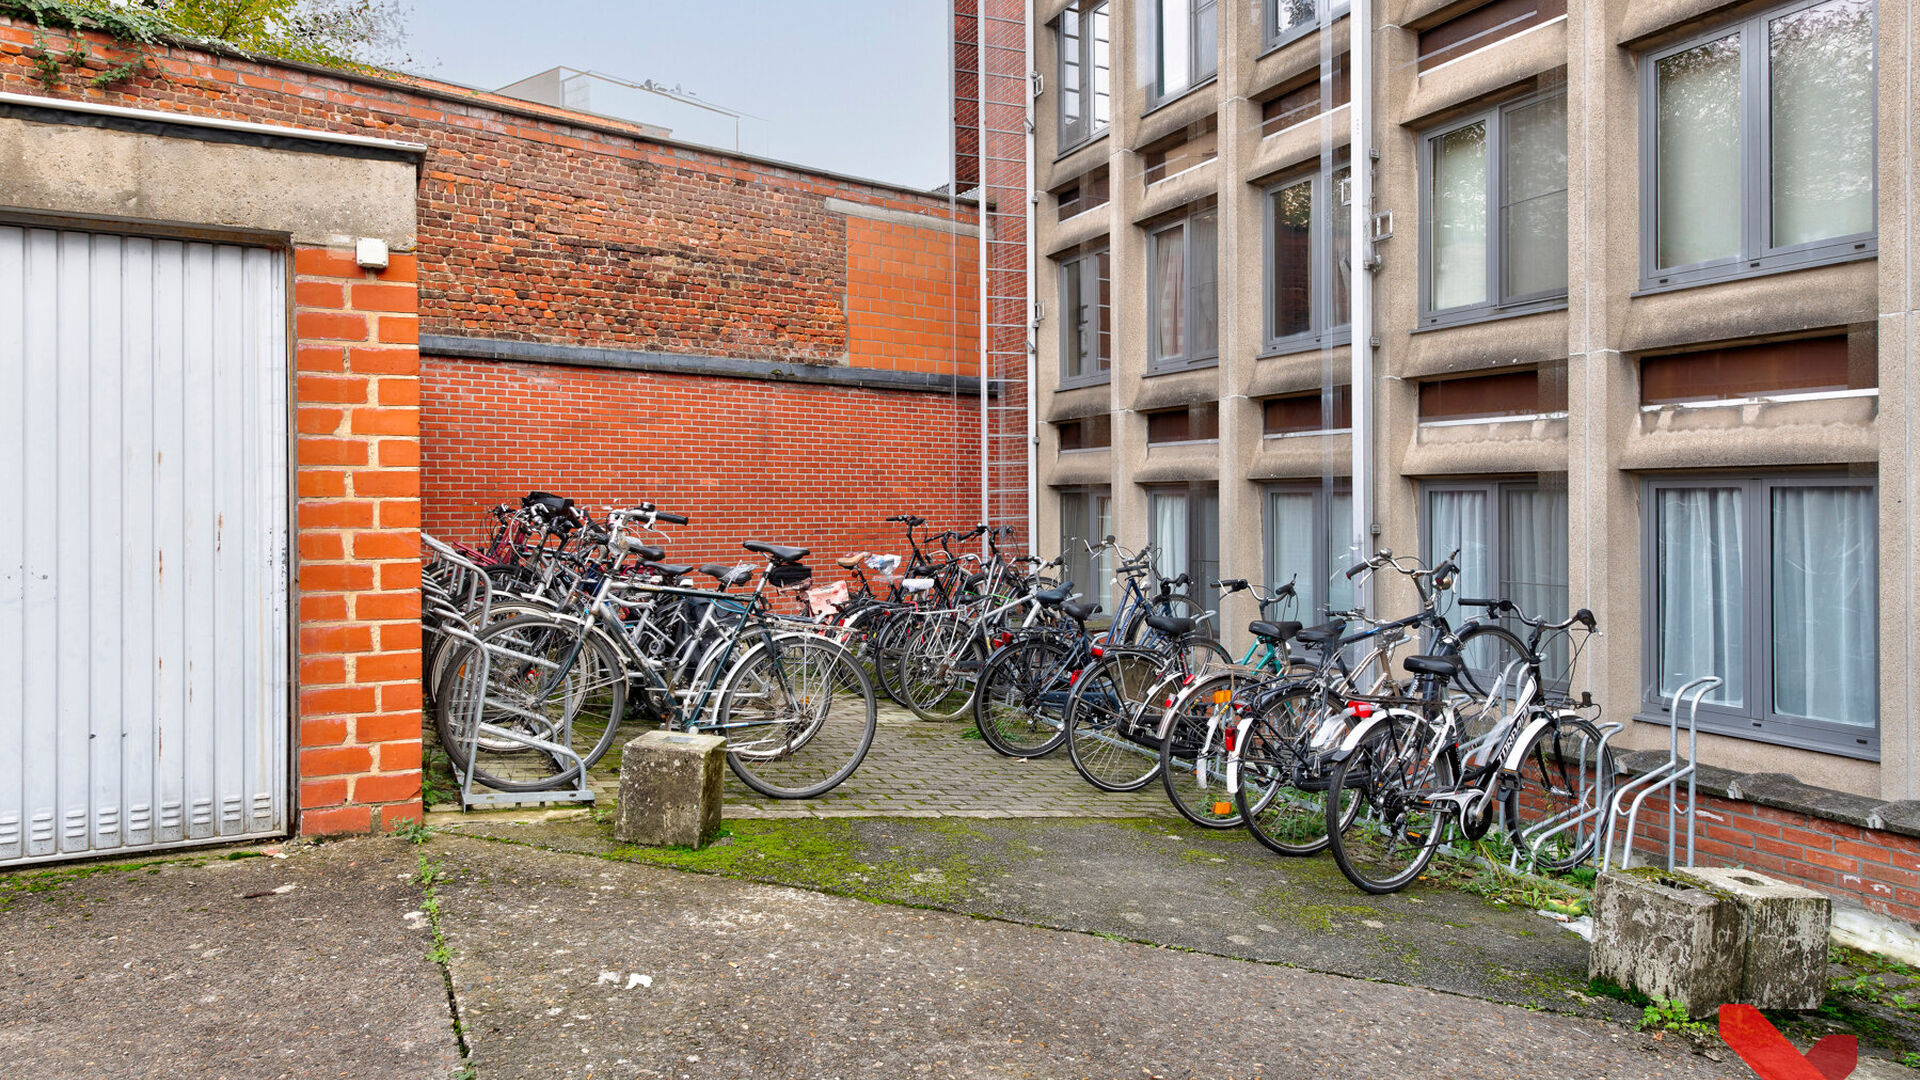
[{"x": 1770, "y": 1055}]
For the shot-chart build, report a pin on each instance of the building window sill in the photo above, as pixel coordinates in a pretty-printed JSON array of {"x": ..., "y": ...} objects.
[
  {"x": 1446, "y": 320},
  {"x": 1856, "y": 250}
]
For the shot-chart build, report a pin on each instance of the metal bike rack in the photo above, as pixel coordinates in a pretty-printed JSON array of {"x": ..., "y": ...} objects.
[
  {"x": 457, "y": 597},
  {"x": 1590, "y": 806},
  {"x": 1664, "y": 777}
]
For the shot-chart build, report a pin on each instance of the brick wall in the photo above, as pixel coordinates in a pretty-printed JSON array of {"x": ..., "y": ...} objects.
[{"x": 357, "y": 397}]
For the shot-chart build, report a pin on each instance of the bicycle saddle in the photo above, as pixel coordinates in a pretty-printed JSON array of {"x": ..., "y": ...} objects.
[
  {"x": 917, "y": 584},
  {"x": 1444, "y": 666},
  {"x": 1080, "y": 613},
  {"x": 1054, "y": 597},
  {"x": 728, "y": 576},
  {"x": 1276, "y": 631},
  {"x": 849, "y": 563},
  {"x": 973, "y": 580},
  {"x": 1324, "y": 634},
  {"x": 777, "y": 552},
  {"x": 1171, "y": 626},
  {"x": 670, "y": 569},
  {"x": 646, "y": 552}
]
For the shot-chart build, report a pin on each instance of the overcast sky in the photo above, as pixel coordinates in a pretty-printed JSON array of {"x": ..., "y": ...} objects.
[{"x": 851, "y": 86}]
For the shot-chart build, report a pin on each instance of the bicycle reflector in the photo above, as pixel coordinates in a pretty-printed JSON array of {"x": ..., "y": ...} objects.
[
  {"x": 1001, "y": 641},
  {"x": 1222, "y": 809},
  {"x": 1098, "y": 651},
  {"x": 1360, "y": 709},
  {"x": 1221, "y": 697},
  {"x": 1073, "y": 677}
]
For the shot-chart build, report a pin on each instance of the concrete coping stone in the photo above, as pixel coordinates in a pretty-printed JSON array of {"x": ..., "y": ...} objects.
[{"x": 1782, "y": 791}]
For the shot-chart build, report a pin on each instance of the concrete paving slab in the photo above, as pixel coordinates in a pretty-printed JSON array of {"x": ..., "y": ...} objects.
[
  {"x": 576, "y": 967},
  {"x": 213, "y": 967}
]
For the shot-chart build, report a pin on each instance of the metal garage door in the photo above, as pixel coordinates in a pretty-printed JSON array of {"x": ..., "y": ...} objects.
[{"x": 143, "y": 543}]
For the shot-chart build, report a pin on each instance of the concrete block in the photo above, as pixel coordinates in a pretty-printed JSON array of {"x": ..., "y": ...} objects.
[
  {"x": 670, "y": 789},
  {"x": 1786, "y": 932},
  {"x": 1668, "y": 935}
]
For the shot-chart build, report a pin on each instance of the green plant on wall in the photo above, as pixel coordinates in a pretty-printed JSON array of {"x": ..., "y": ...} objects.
[{"x": 131, "y": 26}]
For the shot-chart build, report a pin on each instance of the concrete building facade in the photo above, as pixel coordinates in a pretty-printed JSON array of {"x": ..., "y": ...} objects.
[{"x": 1642, "y": 323}]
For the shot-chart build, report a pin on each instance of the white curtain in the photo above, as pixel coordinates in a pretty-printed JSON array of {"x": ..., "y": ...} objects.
[
  {"x": 1701, "y": 586},
  {"x": 1825, "y": 609},
  {"x": 1170, "y": 308},
  {"x": 1168, "y": 512},
  {"x": 1290, "y": 551},
  {"x": 1533, "y": 545},
  {"x": 1822, "y": 84},
  {"x": 1341, "y": 553},
  {"x": 1203, "y": 251},
  {"x": 1459, "y": 520},
  {"x": 1101, "y": 568},
  {"x": 1697, "y": 153},
  {"x": 1535, "y": 210},
  {"x": 1459, "y": 200},
  {"x": 1176, "y": 46}
]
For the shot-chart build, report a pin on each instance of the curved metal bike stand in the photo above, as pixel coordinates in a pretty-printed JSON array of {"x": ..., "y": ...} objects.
[
  {"x": 1590, "y": 806},
  {"x": 1666, "y": 777}
]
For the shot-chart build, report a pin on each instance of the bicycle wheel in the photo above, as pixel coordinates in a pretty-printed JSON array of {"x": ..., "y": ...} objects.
[
  {"x": 1383, "y": 847},
  {"x": 889, "y": 640},
  {"x": 798, "y": 714},
  {"x": 1564, "y": 774},
  {"x": 1283, "y": 785},
  {"x": 1109, "y": 736},
  {"x": 1020, "y": 707},
  {"x": 544, "y": 680},
  {"x": 1496, "y": 677},
  {"x": 939, "y": 668},
  {"x": 1193, "y": 751}
]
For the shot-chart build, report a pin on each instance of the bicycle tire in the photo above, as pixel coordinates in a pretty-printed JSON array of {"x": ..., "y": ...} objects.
[
  {"x": 1098, "y": 721},
  {"x": 586, "y": 717},
  {"x": 888, "y": 644},
  {"x": 1292, "y": 819},
  {"x": 1390, "y": 840},
  {"x": 798, "y": 714},
  {"x": 1494, "y": 676},
  {"x": 939, "y": 668},
  {"x": 1193, "y": 750},
  {"x": 1564, "y": 772},
  {"x": 1020, "y": 706}
]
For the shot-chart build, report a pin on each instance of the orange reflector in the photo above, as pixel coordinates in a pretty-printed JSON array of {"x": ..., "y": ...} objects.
[
  {"x": 1223, "y": 809},
  {"x": 1221, "y": 697}
]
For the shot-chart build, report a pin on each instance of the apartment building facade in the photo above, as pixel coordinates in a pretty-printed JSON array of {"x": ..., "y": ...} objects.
[{"x": 1642, "y": 320}]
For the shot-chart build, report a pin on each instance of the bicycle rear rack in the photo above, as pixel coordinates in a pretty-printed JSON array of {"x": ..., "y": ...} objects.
[{"x": 1664, "y": 777}]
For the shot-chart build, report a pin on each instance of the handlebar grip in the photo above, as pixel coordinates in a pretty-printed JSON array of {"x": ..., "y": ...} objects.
[
  {"x": 1231, "y": 584},
  {"x": 897, "y": 517},
  {"x": 671, "y": 519},
  {"x": 1354, "y": 570},
  {"x": 1286, "y": 590},
  {"x": 1465, "y": 602},
  {"x": 1585, "y": 617}
]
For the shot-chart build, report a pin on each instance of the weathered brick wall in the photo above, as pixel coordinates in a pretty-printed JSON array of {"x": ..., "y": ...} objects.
[
  {"x": 357, "y": 398},
  {"x": 913, "y": 298}
]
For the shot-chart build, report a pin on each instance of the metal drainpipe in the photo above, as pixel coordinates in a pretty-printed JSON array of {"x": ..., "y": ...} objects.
[
  {"x": 986, "y": 290},
  {"x": 1033, "y": 331},
  {"x": 1361, "y": 274}
]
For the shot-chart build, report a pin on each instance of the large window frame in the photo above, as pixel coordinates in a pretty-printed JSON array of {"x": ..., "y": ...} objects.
[
  {"x": 1086, "y": 513},
  {"x": 1756, "y": 717},
  {"x": 1273, "y": 35},
  {"x": 1085, "y": 71},
  {"x": 1198, "y": 36},
  {"x": 1330, "y": 243},
  {"x": 1198, "y": 294},
  {"x": 1330, "y": 519},
  {"x": 1201, "y": 514},
  {"x": 1497, "y": 561},
  {"x": 1496, "y": 301},
  {"x": 1086, "y": 342},
  {"x": 1757, "y": 255}
]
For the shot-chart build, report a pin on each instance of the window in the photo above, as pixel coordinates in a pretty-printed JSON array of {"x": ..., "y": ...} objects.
[
  {"x": 1197, "y": 146},
  {"x": 1512, "y": 539},
  {"x": 1772, "y": 584},
  {"x": 1309, "y": 261},
  {"x": 1494, "y": 194},
  {"x": 1082, "y": 194},
  {"x": 1194, "y": 423},
  {"x": 1482, "y": 27},
  {"x": 1307, "y": 544},
  {"x": 1184, "y": 273},
  {"x": 1308, "y": 414},
  {"x": 1086, "y": 433},
  {"x": 1085, "y": 72},
  {"x": 1087, "y": 514},
  {"x": 1809, "y": 366},
  {"x": 1758, "y": 143},
  {"x": 1185, "y": 38},
  {"x": 1184, "y": 528},
  {"x": 1290, "y": 19},
  {"x": 1303, "y": 103},
  {"x": 1086, "y": 306},
  {"x": 1491, "y": 397}
]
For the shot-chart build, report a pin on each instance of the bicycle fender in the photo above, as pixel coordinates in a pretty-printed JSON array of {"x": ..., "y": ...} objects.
[
  {"x": 1352, "y": 742},
  {"x": 1240, "y": 728},
  {"x": 1513, "y": 760}
]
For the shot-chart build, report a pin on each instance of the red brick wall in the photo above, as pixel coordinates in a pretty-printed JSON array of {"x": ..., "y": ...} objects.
[
  {"x": 357, "y": 395},
  {"x": 913, "y": 298}
]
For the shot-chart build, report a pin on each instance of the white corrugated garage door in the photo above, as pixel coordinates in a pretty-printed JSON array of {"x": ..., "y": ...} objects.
[{"x": 143, "y": 543}]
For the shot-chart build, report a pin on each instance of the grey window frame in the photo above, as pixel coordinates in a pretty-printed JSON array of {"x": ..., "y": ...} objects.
[
  {"x": 1497, "y": 305},
  {"x": 1495, "y": 527},
  {"x": 1322, "y": 491},
  {"x": 1086, "y": 266},
  {"x": 1756, "y": 173},
  {"x": 1201, "y": 589},
  {"x": 1756, "y": 720},
  {"x": 1320, "y": 335},
  {"x": 1190, "y": 360},
  {"x": 1327, "y": 12},
  {"x": 1100, "y": 586},
  {"x": 1158, "y": 93},
  {"x": 1073, "y": 136}
]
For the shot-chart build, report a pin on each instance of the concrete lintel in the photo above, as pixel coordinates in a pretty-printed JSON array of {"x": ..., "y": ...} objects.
[
  {"x": 726, "y": 367},
  {"x": 901, "y": 217}
]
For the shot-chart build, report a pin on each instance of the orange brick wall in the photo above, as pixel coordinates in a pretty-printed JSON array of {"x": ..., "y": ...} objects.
[
  {"x": 913, "y": 299},
  {"x": 357, "y": 395}
]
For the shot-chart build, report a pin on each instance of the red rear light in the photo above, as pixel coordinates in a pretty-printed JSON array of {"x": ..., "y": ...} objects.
[
  {"x": 1361, "y": 709},
  {"x": 1073, "y": 678},
  {"x": 1098, "y": 651},
  {"x": 1001, "y": 641},
  {"x": 1231, "y": 738}
]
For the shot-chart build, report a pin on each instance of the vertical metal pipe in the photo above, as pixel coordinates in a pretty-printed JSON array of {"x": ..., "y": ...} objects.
[
  {"x": 1360, "y": 112},
  {"x": 986, "y": 291},
  {"x": 1033, "y": 331}
]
